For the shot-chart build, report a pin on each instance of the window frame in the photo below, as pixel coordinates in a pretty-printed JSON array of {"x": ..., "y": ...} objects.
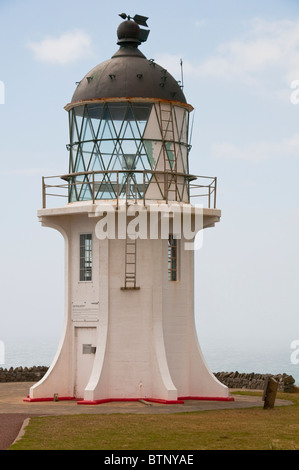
[
  {"x": 85, "y": 257},
  {"x": 173, "y": 258}
]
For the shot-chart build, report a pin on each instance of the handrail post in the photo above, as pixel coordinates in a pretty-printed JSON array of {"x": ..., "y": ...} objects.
[
  {"x": 215, "y": 192},
  {"x": 43, "y": 193},
  {"x": 93, "y": 187},
  {"x": 117, "y": 190},
  {"x": 144, "y": 189},
  {"x": 166, "y": 186}
]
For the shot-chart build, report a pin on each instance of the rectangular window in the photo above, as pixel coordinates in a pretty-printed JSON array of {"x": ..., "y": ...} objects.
[
  {"x": 172, "y": 258},
  {"x": 86, "y": 257}
]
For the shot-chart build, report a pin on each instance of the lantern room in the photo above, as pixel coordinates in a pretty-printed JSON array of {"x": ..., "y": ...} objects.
[{"x": 129, "y": 125}]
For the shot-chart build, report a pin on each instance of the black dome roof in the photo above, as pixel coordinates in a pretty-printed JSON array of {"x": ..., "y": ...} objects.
[{"x": 128, "y": 74}]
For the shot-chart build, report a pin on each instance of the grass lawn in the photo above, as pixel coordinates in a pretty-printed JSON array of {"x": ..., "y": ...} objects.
[{"x": 239, "y": 429}]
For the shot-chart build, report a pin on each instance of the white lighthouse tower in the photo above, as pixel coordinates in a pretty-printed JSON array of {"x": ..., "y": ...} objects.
[{"x": 129, "y": 330}]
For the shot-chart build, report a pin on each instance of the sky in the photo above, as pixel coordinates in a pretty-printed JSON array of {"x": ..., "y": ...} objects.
[{"x": 241, "y": 75}]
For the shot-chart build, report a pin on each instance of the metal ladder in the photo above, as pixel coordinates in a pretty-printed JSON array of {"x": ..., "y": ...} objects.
[
  {"x": 130, "y": 254},
  {"x": 130, "y": 263},
  {"x": 170, "y": 166}
]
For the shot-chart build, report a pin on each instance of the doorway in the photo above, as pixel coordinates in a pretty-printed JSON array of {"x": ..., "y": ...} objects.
[{"x": 85, "y": 340}]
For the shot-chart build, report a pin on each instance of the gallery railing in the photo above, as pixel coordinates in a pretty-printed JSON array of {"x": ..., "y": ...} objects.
[{"x": 128, "y": 184}]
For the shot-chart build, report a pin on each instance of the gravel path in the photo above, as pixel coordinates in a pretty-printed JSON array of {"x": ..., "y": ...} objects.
[{"x": 10, "y": 426}]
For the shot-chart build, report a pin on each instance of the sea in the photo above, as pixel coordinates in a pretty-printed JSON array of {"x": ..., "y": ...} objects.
[
  {"x": 221, "y": 356},
  {"x": 277, "y": 357}
]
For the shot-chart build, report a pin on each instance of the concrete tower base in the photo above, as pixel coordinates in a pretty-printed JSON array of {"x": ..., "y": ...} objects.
[{"x": 126, "y": 344}]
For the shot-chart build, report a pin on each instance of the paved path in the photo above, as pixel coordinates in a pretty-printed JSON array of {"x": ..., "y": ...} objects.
[{"x": 13, "y": 410}]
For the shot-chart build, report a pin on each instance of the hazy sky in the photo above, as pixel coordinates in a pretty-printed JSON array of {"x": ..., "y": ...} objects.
[{"x": 240, "y": 60}]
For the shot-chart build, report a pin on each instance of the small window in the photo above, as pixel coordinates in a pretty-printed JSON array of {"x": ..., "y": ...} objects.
[
  {"x": 172, "y": 258},
  {"x": 86, "y": 257}
]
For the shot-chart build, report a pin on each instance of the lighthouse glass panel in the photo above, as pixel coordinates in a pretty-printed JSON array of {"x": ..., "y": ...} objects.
[{"x": 123, "y": 150}]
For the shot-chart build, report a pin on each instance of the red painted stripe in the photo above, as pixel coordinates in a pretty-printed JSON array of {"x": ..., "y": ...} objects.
[
  {"x": 179, "y": 401},
  {"x": 208, "y": 398},
  {"x": 108, "y": 400}
]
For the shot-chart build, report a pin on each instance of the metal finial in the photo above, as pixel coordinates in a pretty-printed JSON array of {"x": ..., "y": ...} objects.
[{"x": 131, "y": 30}]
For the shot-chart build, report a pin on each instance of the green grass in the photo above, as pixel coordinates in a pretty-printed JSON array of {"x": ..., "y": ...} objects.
[{"x": 236, "y": 429}]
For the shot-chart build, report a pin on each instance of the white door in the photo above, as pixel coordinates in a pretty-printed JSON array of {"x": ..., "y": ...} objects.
[{"x": 85, "y": 340}]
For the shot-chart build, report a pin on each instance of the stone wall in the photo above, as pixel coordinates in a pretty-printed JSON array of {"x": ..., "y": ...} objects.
[
  {"x": 286, "y": 383},
  {"x": 230, "y": 379},
  {"x": 22, "y": 374}
]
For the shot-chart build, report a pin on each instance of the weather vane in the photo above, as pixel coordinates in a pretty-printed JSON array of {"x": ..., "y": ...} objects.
[{"x": 141, "y": 20}]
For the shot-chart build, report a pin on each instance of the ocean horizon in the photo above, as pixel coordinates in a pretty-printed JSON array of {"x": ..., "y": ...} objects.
[{"x": 230, "y": 356}]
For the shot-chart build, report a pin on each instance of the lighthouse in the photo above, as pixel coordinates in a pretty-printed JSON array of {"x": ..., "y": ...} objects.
[{"x": 129, "y": 227}]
